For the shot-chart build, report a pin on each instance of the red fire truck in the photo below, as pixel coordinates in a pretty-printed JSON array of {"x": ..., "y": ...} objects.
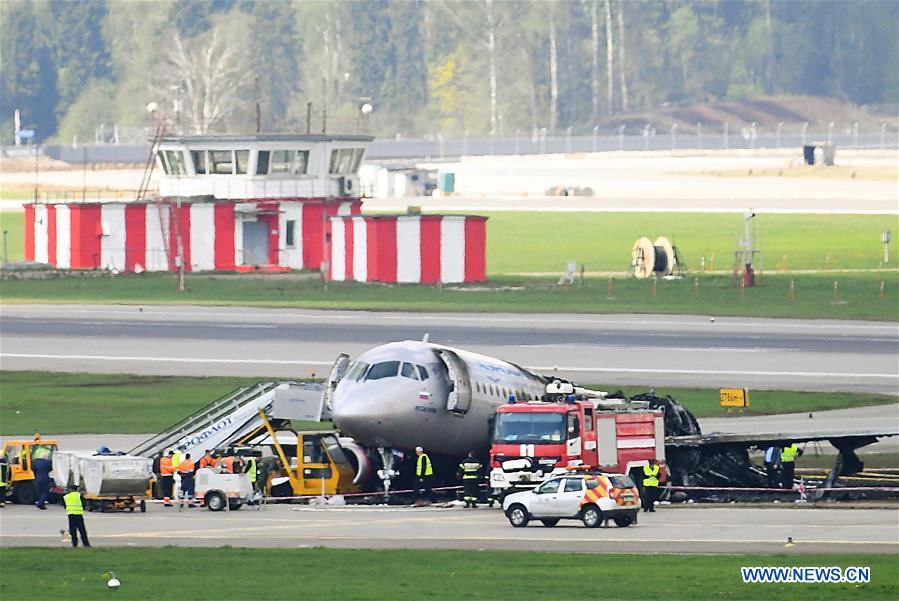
[{"x": 535, "y": 440}]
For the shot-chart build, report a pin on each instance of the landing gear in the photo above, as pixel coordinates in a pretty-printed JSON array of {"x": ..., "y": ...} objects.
[{"x": 387, "y": 473}]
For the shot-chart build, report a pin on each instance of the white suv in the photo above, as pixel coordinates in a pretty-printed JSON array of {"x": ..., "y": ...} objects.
[{"x": 591, "y": 498}]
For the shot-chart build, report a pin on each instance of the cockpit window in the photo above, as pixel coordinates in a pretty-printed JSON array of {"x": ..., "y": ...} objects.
[
  {"x": 408, "y": 371},
  {"x": 387, "y": 369},
  {"x": 422, "y": 372},
  {"x": 356, "y": 371}
]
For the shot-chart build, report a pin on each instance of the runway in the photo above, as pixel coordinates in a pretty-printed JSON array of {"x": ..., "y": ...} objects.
[
  {"x": 672, "y": 529},
  {"x": 649, "y": 350}
]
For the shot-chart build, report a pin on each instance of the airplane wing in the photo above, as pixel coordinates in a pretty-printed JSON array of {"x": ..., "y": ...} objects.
[
  {"x": 721, "y": 459},
  {"x": 763, "y": 440}
]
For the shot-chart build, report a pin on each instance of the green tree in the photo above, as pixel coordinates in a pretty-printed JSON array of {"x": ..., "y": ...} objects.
[
  {"x": 29, "y": 75},
  {"x": 274, "y": 57},
  {"x": 79, "y": 48},
  {"x": 405, "y": 88},
  {"x": 96, "y": 104},
  {"x": 137, "y": 34}
]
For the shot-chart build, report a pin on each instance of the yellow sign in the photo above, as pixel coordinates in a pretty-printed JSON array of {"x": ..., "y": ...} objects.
[{"x": 735, "y": 397}]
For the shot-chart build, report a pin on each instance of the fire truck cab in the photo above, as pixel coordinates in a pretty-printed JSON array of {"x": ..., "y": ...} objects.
[{"x": 534, "y": 441}]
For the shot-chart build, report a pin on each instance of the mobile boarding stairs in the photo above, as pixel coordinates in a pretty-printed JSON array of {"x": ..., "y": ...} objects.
[{"x": 238, "y": 414}]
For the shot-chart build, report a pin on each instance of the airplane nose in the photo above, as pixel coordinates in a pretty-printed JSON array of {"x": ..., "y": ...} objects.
[
  {"x": 356, "y": 414},
  {"x": 347, "y": 418}
]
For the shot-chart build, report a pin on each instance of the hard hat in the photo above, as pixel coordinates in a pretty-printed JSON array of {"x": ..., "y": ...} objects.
[
  {"x": 419, "y": 449},
  {"x": 113, "y": 582},
  {"x": 103, "y": 449}
]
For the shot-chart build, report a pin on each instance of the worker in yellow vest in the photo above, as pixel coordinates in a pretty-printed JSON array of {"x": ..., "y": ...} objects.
[
  {"x": 177, "y": 458},
  {"x": 75, "y": 512},
  {"x": 42, "y": 465},
  {"x": 470, "y": 473},
  {"x": 650, "y": 485},
  {"x": 167, "y": 477},
  {"x": 788, "y": 461},
  {"x": 250, "y": 470},
  {"x": 424, "y": 475},
  {"x": 4, "y": 478}
]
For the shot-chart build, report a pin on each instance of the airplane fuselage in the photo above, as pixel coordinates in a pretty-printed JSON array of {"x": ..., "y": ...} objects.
[{"x": 407, "y": 394}]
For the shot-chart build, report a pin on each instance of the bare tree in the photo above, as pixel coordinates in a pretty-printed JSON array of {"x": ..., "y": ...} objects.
[
  {"x": 621, "y": 61},
  {"x": 610, "y": 53},
  {"x": 553, "y": 74},
  {"x": 208, "y": 75},
  {"x": 594, "y": 74},
  {"x": 491, "y": 58},
  {"x": 769, "y": 65},
  {"x": 486, "y": 40}
]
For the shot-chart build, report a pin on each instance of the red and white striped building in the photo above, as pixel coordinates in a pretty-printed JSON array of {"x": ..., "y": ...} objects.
[
  {"x": 265, "y": 202},
  {"x": 424, "y": 249},
  {"x": 143, "y": 236}
]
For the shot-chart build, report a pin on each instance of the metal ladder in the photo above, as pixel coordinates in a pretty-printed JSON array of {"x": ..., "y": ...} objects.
[{"x": 204, "y": 418}]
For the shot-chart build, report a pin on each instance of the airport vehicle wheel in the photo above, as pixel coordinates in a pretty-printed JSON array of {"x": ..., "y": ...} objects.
[
  {"x": 235, "y": 505},
  {"x": 550, "y": 523},
  {"x": 24, "y": 493},
  {"x": 215, "y": 501},
  {"x": 143, "y": 506},
  {"x": 623, "y": 521},
  {"x": 591, "y": 516},
  {"x": 518, "y": 516}
]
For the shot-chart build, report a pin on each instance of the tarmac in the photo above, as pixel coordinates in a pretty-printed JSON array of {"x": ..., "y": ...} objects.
[
  {"x": 671, "y": 529},
  {"x": 651, "y": 350}
]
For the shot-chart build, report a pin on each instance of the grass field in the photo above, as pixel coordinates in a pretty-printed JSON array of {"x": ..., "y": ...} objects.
[
  {"x": 519, "y": 242},
  {"x": 545, "y": 242},
  {"x": 12, "y": 222},
  {"x": 145, "y": 573},
  {"x": 859, "y": 295},
  {"x": 704, "y": 402},
  {"x": 62, "y": 403}
]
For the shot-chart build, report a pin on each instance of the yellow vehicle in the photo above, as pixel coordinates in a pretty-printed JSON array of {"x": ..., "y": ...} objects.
[
  {"x": 318, "y": 465},
  {"x": 18, "y": 454}
]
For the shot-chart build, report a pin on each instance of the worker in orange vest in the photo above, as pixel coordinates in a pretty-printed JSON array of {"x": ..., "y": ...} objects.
[
  {"x": 207, "y": 460},
  {"x": 186, "y": 470},
  {"x": 226, "y": 464},
  {"x": 167, "y": 477}
]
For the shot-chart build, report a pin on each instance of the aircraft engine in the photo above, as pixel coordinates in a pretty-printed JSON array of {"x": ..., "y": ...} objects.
[{"x": 359, "y": 458}]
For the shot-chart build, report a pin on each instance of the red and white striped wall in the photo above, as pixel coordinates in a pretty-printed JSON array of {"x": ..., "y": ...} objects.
[
  {"x": 132, "y": 237},
  {"x": 424, "y": 249}
]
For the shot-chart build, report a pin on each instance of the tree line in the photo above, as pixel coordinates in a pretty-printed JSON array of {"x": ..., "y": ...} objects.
[{"x": 476, "y": 67}]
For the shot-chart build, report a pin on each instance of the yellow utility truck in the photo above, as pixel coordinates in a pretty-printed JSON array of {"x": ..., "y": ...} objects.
[{"x": 19, "y": 455}]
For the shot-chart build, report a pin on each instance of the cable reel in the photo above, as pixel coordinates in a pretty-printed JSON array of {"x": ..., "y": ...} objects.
[{"x": 653, "y": 259}]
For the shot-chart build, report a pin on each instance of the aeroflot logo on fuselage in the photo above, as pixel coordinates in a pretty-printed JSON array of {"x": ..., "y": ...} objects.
[
  {"x": 499, "y": 369},
  {"x": 195, "y": 440}
]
